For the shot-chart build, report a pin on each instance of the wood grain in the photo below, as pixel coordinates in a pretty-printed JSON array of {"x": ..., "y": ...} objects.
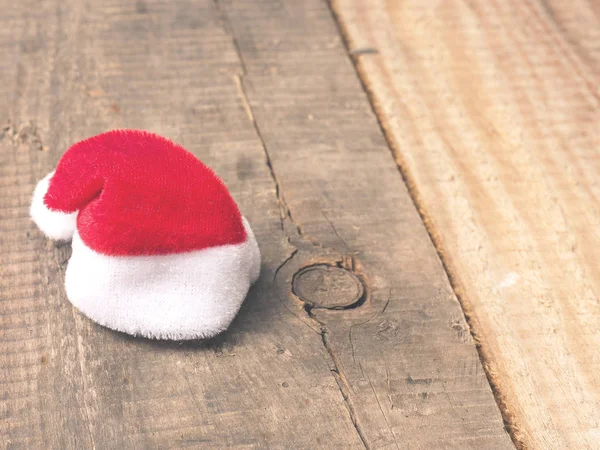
[
  {"x": 264, "y": 92},
  {"x": 492, "y": 108}
]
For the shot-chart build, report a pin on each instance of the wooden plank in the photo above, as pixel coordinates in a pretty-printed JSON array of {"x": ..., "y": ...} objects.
[
  {"x": 492, "y": 108},
  {"x": 81, "y": 69},
  {"x": 264, "y": 92}
]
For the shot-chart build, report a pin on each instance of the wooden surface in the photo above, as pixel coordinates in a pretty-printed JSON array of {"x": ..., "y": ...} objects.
[
  {"x": 492, "y": 108},
  {"x": 265, "y": 93}
]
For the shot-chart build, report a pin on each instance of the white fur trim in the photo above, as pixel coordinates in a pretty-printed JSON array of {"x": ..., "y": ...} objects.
[
  {"x": 179, "y": 296},
  {"x": 54, "y": 224}
]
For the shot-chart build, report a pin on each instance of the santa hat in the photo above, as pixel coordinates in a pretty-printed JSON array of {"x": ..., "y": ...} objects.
[{"x": 160, "y": 249}]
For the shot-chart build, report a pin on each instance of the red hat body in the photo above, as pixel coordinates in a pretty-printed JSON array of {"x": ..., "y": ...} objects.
[{"x": 140, "y": 194}]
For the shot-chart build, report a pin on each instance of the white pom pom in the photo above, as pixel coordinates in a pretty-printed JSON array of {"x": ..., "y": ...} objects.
[{"x": 54, "y": 224}]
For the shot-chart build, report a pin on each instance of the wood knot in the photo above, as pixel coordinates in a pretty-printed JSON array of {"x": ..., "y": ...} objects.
[{"x": 328, "y": 287}]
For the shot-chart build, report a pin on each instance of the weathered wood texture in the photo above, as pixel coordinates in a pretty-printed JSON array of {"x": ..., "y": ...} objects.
[
  {"x": 264, "y": 92},
  {"x": 492, "y": 108}
]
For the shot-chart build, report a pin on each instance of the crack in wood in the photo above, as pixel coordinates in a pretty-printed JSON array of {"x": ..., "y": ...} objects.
[
  {"x": 335, "y": 230},
  {"x": 343, "y": 385},
  {"x": 239, "y": 81},
  {"x": 285, "y": 261},
  {"x": 382, "y": 412}
]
